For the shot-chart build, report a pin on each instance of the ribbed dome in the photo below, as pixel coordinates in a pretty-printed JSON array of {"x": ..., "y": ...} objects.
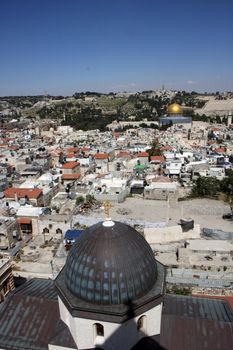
[{"x": 110, "y": 265}]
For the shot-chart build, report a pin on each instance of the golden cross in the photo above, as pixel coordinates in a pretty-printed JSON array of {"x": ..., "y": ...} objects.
[{"x": 107, "y": 206}]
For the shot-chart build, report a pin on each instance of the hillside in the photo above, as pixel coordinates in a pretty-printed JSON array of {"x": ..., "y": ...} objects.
[
  {"x": 214, "y": 107},
  {"x": 92, "y": 109}
]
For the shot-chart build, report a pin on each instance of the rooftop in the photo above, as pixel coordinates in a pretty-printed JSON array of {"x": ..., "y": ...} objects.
[
  {"x": 70, "y": 165},
  {"x": 29, "y": 319},
  {"x": 143, "y": 154},
  {"x": 70, "y": 176},
  {"x": 23, "y": 192},
  {"x": 101, "y": 156}
]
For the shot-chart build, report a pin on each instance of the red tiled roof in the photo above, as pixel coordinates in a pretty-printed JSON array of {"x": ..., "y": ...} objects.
[
  {"x": 71, "y": 155},
  {"x": 85, "y": 149},
  {"x": 143, "y": 154},
  {"x": 160, "y": 159},
  {"x": 219, "y": 150},
  {"x": 22, "y": 192},
  {"x": 72, "y": 150},
  {"x": 70, "y": 176},
  {"x": 101, "y": 156},
  {"x": 123, "y": 155},
  {"x": 70, "y": 165},
  {"x": 24, "y": 221}
]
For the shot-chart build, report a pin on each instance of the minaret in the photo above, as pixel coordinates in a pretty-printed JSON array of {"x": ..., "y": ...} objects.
[{"x": 229, "y": 118}]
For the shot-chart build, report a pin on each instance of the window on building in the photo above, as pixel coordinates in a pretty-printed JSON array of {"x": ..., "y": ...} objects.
[
  {"x": 98, "y": 330},
  {"x": 58, "y": 230},
  {"x": 141, "y": 323},
  {"x": 26, "y": 228}
]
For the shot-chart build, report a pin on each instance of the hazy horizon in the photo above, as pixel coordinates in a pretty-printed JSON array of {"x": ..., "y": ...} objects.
[
  {"x": 61, "y": 47},
  {"x": 116, "y": 92}
]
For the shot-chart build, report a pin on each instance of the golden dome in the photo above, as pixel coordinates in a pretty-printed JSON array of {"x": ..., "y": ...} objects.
[{"x": 174, "y": 108}]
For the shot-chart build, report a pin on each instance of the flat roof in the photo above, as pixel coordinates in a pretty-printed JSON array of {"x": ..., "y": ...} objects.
[
  {"x": 29, "y": 211},
  {"x": 209, "y": 245}
]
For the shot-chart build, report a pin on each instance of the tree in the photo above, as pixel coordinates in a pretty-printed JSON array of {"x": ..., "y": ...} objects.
[
  {"x": 79, "y": 200},
  {"x": 226, "y": 187},
  {"x": 155, "y": 148},
  {"x": 206, "y": 187},
  {"x": 90, "y": 199}
]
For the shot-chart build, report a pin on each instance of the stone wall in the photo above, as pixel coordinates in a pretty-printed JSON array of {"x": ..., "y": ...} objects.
[
  {"x": 170, "y": 234},
  {"x": 54, "y": 223},
  {"x": 159, "y": 193},
  {"x": 115, "y": 197}
]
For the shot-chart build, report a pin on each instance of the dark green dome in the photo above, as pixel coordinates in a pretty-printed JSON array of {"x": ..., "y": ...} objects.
[{"x": 110, "y": 265}]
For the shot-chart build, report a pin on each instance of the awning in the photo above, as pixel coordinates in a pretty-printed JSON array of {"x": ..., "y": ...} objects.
[
  {"x": 24, "y": 221},
  {"x": 72, "y": 234}
]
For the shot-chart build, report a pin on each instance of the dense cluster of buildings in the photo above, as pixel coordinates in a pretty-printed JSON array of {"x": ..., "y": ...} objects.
[
  {"x": 50, "y": 175},
  {"x": 43, "y": 169}
]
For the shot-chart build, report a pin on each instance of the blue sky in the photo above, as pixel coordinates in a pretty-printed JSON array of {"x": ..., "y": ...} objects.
[{"x": 64, "y": 46}]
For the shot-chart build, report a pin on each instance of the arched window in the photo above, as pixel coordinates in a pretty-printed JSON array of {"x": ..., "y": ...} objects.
[
  {"x": 98, "y": 329},
  {"x": 58, "y": 230},
  {"x": 141, "y": 323},
  {"x": 45, "y": 230}
]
